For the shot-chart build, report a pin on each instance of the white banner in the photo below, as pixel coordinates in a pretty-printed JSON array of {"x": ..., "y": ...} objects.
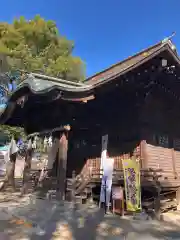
[
  {"x": 107, "y": 180},
  {"x": 103, "y": 153},
  {"x": 13, "y": 147}
]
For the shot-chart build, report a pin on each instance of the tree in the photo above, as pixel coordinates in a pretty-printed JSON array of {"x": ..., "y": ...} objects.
[
  {"x": 10, "y": 132},
  {"x": 37, "y": 46}
]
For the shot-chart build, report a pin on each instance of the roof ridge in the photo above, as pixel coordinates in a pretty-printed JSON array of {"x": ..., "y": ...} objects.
[{"x": 162, "y": 42}]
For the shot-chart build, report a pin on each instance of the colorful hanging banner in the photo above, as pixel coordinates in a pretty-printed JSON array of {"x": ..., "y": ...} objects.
[{"x": 131, "y": 168}]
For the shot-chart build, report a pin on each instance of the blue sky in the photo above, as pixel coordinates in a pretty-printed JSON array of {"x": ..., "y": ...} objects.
[{"x": 104, "y": 32}]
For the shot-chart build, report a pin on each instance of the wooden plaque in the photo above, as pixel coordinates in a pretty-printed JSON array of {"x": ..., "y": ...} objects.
[{"x": 117, "y": 193}]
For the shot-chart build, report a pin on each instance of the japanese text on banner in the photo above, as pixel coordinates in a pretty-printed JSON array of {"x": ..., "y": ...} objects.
[{"x": 132, "y": 184}]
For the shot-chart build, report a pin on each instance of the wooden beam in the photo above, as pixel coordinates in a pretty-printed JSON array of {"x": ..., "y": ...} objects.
[
  {"x": 157, "y": 200},
  {"x": 61, "y": 128},
  {"x": 85, "y": 99}
]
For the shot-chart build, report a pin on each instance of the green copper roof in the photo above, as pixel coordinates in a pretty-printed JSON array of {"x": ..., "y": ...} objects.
[{"x": 40, "y": 84}]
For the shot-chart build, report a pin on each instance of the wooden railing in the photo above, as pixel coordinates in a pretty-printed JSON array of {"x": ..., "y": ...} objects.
[
  {"x": 92, "y": 167},
  {"x": 118, "y": 174}
]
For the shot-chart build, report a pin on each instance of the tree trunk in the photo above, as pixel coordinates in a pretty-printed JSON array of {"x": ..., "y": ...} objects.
[
  {"x": 27, "y": 169},
  {"x": 10, "y": 169}
]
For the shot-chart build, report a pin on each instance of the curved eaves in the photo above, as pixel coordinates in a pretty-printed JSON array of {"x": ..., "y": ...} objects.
[{"x": 39, "y": 85}]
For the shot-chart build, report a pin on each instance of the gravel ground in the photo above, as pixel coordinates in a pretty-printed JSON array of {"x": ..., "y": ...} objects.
[{"x": 32, "y": 218}]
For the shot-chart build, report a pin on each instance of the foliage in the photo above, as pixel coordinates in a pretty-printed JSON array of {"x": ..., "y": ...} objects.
[
  {"x": 37, "y": 46},
  {"x": 6, "y": 132}
]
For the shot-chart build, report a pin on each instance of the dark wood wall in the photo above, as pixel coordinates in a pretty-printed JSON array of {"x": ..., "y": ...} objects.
[
  {"x": 114, "y": 113},
  {"x": 140, "y": 118}
]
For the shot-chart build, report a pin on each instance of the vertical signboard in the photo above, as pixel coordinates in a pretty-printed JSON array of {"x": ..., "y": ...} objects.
[{"x": 131, "y": 169}]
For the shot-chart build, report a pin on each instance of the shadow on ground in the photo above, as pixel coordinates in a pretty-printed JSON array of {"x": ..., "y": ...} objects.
[
  {"x": 49, "y": 219},
  {"x": 35, "y": 217}
]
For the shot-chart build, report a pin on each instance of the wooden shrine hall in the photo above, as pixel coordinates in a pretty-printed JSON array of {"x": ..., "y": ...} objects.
[{"x": 136, "y": 102}]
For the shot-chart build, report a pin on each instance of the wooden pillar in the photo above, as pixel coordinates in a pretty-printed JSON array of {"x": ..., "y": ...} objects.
[
  {"x": 62, "y": 164},
  {"x": 143, "y": 154},
  {"x": 174, "y": 163},
  {"x": 12, "y": 170},
  {"x": 157, "y": 201},
  {"x": 178, "y": 198},
  {"x": 73, "y": 198},
  {"x": 27, "y": 168}
]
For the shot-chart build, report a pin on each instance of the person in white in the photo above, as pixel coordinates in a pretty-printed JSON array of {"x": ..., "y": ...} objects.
[
  {"x": 50, "y": 141},
  {"x": 34, "y": 145},
  {"x": 45, "y": 143}
]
